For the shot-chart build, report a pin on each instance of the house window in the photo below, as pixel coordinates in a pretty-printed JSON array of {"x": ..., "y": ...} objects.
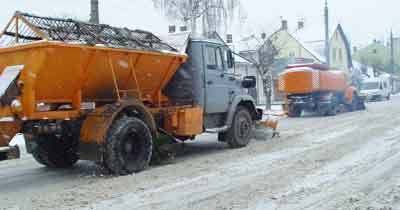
[
  {"x": 334, "y": 55},
  {"x": 214, "y": 58},
  {"x": 340, "y": 55}
]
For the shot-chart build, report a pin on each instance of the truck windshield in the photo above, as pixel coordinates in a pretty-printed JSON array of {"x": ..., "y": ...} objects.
[{"x": 370, "y": 86}]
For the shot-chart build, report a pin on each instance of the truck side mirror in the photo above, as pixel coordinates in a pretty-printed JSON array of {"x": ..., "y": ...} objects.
[
  {"x": 230, "y": 59},
  {"x": 249, "y": 82}
]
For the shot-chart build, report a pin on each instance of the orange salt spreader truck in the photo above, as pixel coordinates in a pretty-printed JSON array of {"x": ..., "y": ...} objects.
[
  {"x": 94, "y": 92},
  {"x": 316, "y": 88}
]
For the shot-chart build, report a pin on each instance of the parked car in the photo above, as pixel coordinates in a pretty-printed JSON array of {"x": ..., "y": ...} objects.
[{"x": 376, "y": 89}]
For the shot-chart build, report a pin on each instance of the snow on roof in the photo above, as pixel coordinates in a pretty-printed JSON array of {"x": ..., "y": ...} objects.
[
  {"x": 179, "y": 40},
  {"x": 313, "y": 51},
  {"x": 240, "y": 59},
  {"x": 308, "y": 33},
  {"x": 308, "y": 47}
]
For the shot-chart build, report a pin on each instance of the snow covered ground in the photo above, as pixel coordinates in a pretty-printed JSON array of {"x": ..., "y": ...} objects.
[{"x": 346, "y": 162}]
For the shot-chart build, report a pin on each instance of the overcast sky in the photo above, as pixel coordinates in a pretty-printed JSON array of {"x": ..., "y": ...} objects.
[{"x": 362, "y": 20}]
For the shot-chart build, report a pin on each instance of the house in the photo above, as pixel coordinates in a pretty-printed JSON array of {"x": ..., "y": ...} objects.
[
  {"x": 340, "y": 51},
  {"x": 291, "y": 50},
  {"x": 291, "y": 47},
  {"x": 294, "y": 49}
]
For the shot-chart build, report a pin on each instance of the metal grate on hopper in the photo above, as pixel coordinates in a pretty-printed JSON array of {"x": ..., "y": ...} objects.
[{"x": 25, "y": 28}]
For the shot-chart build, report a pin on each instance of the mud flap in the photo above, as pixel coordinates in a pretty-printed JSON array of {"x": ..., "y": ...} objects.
[{"x": 8, "y": 129}]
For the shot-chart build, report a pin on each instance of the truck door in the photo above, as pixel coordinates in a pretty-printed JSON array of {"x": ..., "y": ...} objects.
[{"x": 216, "y": 83}]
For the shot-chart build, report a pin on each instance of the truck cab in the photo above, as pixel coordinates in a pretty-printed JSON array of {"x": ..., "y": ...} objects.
[{"x": 207, "y": 80}]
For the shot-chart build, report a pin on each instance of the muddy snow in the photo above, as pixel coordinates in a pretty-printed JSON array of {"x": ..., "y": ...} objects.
[{"x": 347, "y": 162}]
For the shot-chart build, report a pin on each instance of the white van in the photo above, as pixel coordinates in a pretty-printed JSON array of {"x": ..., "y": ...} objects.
[{"x": 376, "y": 89}]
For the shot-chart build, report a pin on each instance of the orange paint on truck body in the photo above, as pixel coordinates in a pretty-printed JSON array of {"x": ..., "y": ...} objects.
[
  {"x": 58, "y": 73},
  {"x": 307, "y": 80}
]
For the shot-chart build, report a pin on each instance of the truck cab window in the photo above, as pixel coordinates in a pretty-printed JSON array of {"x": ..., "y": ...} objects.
[
  {"x": 210, "y": 56},
  {"x": 220, "y": 61},
  {"x": 214, "y": 59}
]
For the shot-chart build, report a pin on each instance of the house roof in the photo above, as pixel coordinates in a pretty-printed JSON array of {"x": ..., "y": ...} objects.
[
  {"x": 347, "y": 45},
  {"x": 308, "y": 48}
]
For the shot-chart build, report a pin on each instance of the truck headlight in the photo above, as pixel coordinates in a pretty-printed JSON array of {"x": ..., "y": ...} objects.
[{"x": 16, "y": 106}]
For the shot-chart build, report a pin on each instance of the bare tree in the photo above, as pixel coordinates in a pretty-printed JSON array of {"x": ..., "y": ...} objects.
[
  {"x": 211, "y": 15},
  {"x": 264, "y": 59},
  {"x": 267, "y": 55},
  {"x": 94, "y": 11}
]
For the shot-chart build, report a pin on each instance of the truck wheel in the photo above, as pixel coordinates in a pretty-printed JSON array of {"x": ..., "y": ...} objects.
[
  {"x": 55, "y": 151},
  {"x": 332, "y": 110},
  {"x": 3, "y": 156},
  {"x": 353, "y": 106},
  {"x": 239, "y": 134},
  {"x": 360, "y": 104},
  {"x": 294, "y": 111},
  {"x": 129, "y": 146}
]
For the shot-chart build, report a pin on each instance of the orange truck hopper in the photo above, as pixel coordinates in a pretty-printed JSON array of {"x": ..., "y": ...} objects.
[
  {"x": 316, "y": 88},
  {"x": 307, "y": 80},
  {"x": 64, "y": 80}
]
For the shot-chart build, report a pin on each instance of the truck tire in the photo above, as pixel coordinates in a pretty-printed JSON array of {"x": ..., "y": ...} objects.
[
  {"x": 356, "y": 104},
  {"x": 55, "y": 151},
  {"x": 353, "y": 105},
  {"x": 3, "y": 156},
  {"x": 294, "y": 111},
  {"x": 239, "y": 134},
  {"x": 360, "y": 104},
  {"x": 333, "y": 110},
  {"x": 129, "y": 146}
]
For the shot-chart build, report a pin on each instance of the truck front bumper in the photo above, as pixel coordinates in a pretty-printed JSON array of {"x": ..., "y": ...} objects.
[{"x": 373, "y": 97}]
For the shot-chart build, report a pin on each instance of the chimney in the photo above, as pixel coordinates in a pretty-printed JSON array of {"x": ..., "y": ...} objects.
[
  {"x": 284, "y": 25},
  {"x": 229, "y": 38},
  {"x": 263, "y": 36},
  {"x": 172, "y": 29},
  {"x": 300, "y": 24}
]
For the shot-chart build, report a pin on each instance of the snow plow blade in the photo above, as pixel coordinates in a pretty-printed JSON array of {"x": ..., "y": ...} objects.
[{"x": 270, "y": 123}]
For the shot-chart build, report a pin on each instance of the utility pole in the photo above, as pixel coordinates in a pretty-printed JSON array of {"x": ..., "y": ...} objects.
[
  {"x": 94, "y": 12},
  {"x": 392, "y": 64},
  {"x": 327, "y": 54}
]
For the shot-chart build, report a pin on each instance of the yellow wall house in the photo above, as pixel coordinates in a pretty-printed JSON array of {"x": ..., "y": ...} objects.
[
  {"x": 290, "y": 47},
  {"x": 293, "y": 50},
  {"x": 340, "y": 51}
]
